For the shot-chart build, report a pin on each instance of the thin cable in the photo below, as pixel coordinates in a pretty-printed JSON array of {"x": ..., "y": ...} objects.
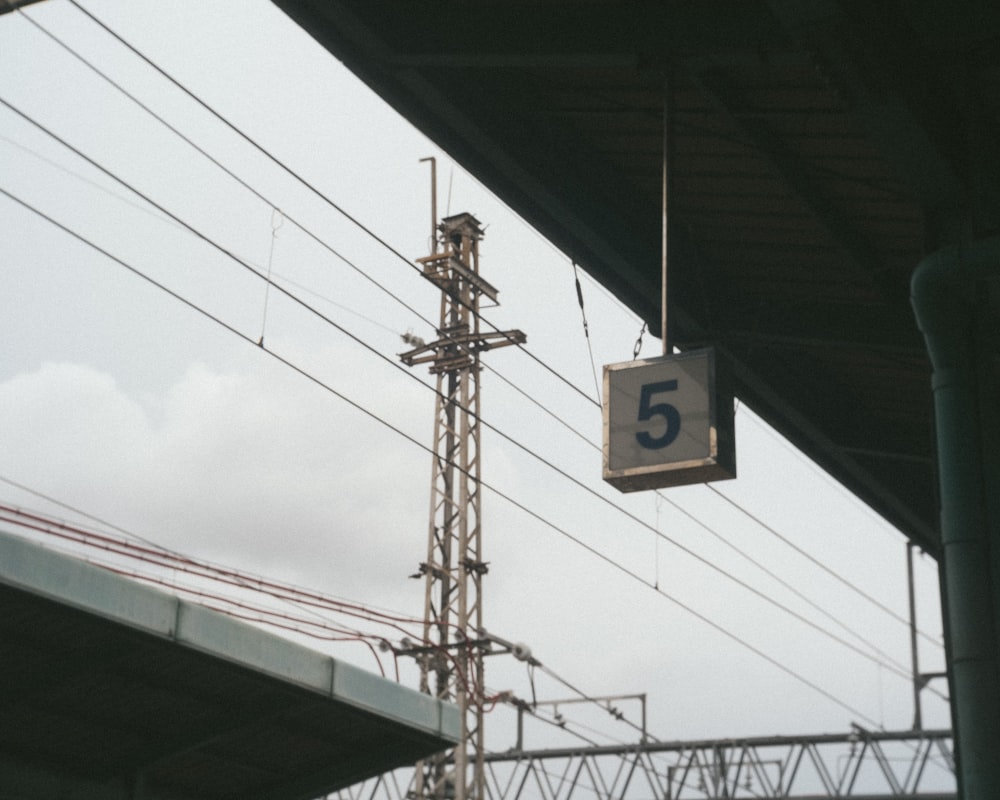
[
  {"x": 714, "y": 625},
  {"x": 213, "y": 160},
  {"x": 385, "y": 423},
  {"x": 320, "y": 296},
  {"x": 707, "y": 562},
  {"x": 743, "y": 554},
  {"x": 67, "y": 171},
  {"x": 900, "y": 671},
  {"x": 209, "y": 241},
  {"x": 305, "y": 183},
  {"x": 591, "y": 699},
  {"x": 361, "y": 226},
  {"x": 275, "y": 225},
  {"x": 766, "y": 598},
  {"x": 157, "y": 556},
  {"x": 818, "y": 563},
  {"x": 586, "y": 332}
]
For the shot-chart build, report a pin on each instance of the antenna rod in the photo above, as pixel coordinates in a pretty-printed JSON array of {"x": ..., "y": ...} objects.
[{"x": 434, "y": 202}]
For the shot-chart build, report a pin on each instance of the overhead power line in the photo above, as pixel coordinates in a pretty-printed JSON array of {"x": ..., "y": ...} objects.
[
  {"x": 385, "y": 244},
  {"x": 765, "y": 597},
  {"x": 307, "y": 184},
  {"x": 372, "y": 415},
  {"x": 501, "y": 433},
  {"x": 901, "y": 672}
]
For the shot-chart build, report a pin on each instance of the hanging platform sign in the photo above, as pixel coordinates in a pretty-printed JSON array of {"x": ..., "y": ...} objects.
[{"x": 667, "y": 422}]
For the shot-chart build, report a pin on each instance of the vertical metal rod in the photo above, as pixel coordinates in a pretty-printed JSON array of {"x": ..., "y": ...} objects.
[
  {"x": 434, "y": 202},
  {"x": 664, "y": 244},
  {"x": 918, "y": 723}
]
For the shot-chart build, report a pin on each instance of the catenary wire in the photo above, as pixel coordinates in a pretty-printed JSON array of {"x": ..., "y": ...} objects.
[
  {"x": 594, "y": 493},
  {"x": 348, "y": 215},
  {"x": 559, "y": 419},
  {"x": 191, "y": 143},
  {"x": 728, "y": 544},
  {"x": 326, "y": 199},
  {"x": 394, "y": 428},
  {"x": 308, "y": 185},
  {"x": 379, "y": 239},
  {"x": 813, "y": 560},
  {"x": 762, "y": 595}
]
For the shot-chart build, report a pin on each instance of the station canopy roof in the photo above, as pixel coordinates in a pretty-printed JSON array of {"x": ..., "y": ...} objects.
[
  {"x": 110, "y": 689},
  {"x": 818, "y": 149}
]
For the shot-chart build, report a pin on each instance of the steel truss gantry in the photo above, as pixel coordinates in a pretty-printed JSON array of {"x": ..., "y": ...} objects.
[
  {"x": 451, "y": 654},
  {"x": 864, "y": 765}
]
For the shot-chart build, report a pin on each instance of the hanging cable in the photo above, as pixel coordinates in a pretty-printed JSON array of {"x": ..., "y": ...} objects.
[
  {"x": 305, "y": 183},
  {"x": 743, "y": 554},
  {"x": 353, "y": 220},
  {"x": 714, "y": 567},
  {"x": 213, "y": 160},
  {"x": 579, "y": 293},
  {"x": 708, "y": 563},
  {"x": 832, "y": 573},
  {"x": 277, "y": 220},
  {"x": 586, "y": 332},
  {"x": 390, "y": 426}
]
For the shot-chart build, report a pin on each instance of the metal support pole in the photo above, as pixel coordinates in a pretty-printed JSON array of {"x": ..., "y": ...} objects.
[
  {"x": 917, "y": 679},
  {"x": 453, "y": 613},
  {"x": 665, "y": 242},
  {"x": 953, "y": 295}
]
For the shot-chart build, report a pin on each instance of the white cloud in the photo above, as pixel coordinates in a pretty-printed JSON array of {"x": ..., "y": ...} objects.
[{"x": 240, "y": 467}]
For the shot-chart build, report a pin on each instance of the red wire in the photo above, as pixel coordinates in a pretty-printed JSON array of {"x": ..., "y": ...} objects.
[{"x": 168, "y": 560}]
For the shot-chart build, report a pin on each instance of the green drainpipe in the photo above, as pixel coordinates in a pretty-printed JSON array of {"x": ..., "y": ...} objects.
[{"x": 950, "y": 296}]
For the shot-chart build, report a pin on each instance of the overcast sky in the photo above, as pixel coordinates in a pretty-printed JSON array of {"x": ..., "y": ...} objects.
[{"x": 118, "y": 399}]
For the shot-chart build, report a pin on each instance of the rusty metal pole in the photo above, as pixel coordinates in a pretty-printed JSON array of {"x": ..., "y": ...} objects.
[{"x": 454, "y": 569}]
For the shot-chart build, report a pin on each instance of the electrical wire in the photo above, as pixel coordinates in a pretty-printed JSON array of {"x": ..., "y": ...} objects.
[
  {"x": 892, "y": 668},
  {"x": 813, "y": 560},
  {"x": 382, "y": 241},
  {"x": 507, "y": 381},
  {"x": 586, "y": 332},
  {"x": 80, "y": 177},
  {"x": 308, "y": 185},
  {"x": 390, "y": 426},
  {"x": 213, "y": 160},
  {"x": 489, "y": 487},
  {"x": 156, "y": 556},
  {"x": 714, "y": 567},
  {"x": 743, "y": 554},
  {"x": 338, "y": 208}
]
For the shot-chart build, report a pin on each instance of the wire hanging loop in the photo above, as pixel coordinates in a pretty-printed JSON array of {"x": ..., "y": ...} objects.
[{"x": 277, "y": 220}]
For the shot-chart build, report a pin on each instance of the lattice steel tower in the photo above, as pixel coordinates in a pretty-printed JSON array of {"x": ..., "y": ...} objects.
[{"x": 451, "y": 660}]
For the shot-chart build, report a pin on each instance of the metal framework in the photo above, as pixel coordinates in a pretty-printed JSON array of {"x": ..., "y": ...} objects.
[
  {"x": 451, "y": 658},
  {"x": 917, "y": 765}
]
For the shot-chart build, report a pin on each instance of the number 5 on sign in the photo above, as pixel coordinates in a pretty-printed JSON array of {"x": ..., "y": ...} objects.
[
  {"x": 671, "y": 416},
  {"x": 667, "y": 422}
]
